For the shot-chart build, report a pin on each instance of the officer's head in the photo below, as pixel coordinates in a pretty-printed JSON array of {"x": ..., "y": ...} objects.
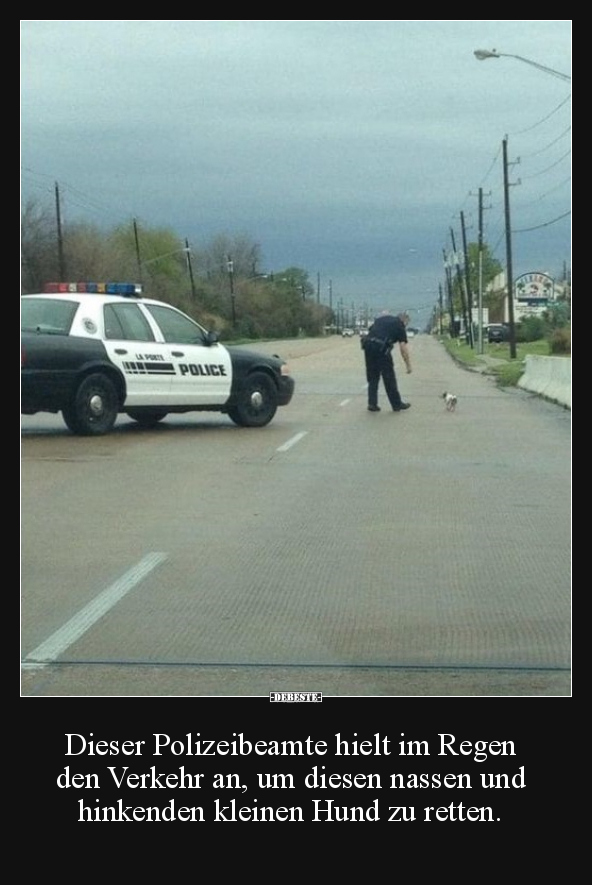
[{"x": 404, "y": 317}]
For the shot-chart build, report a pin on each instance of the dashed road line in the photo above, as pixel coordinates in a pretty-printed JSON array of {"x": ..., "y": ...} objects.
[
  {"x": 73, "y": 629},
  {"x": 292, "y": 441}
]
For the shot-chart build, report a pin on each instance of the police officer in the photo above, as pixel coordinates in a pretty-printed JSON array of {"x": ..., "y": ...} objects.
[{"x": 383, "y": 334}]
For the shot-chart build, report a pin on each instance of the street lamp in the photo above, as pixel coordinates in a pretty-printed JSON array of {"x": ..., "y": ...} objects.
[
  {"x": 230, "y": 269},
  {"x": 482, "y": 54}
]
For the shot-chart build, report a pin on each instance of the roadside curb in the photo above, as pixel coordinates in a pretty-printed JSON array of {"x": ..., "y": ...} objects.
[{"x": 485, "y": 366}]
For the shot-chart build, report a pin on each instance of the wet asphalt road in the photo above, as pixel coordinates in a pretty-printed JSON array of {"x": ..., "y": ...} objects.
[{"x": 424, "y": 553}]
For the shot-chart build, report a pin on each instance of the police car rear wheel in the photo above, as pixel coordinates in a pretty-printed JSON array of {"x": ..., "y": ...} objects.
[
  {"x": 257, "y": 404},
  {"x": 146, "y": 419},
  {"x": 93, "y": 410}
]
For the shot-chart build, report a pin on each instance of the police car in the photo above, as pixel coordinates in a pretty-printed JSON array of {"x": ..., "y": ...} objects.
[{"x": 94, "y": 350}]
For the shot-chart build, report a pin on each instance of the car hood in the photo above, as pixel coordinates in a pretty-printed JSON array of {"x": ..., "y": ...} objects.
[{"x": 245, "y": 355}]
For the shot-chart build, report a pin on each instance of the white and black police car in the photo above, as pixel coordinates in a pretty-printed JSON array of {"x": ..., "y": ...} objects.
[{"x": 94, "y": 350}]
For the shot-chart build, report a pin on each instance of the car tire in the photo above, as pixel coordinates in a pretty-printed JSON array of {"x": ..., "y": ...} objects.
[
  {"x": 257, "y": 402},
  {"x": 146, "y": 419},
  {"x": 94, "y": 407}
]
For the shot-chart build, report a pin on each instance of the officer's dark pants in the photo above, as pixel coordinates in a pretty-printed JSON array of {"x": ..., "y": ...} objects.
[{"x": 380, "y": 365}]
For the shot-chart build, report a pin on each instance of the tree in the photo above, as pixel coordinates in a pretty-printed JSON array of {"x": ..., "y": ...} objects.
[
  {"x": 490, "y": 266},
  {"x": 490, "y": 269},
  {"x": 226, "y": 263},
  {"x": 159, "y": 260},
  {"x": 495, "y": 301},
  {"x": 39, "y": 248},
  {"x": 558, "y": 314},
  {"x": 90, "y": 254},
  {"x": 271, "y": 305},
  {"x": 240, "y": 249},
  {"x": 295, "y": 279},
  {"x": 532, "y": 328}
]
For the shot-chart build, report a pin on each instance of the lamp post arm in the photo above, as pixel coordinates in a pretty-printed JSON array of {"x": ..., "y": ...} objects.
[
  {"x": 186, "y": 249},
  {"x": 482, "y": 54},
  {"x": 535, "y": 64}
]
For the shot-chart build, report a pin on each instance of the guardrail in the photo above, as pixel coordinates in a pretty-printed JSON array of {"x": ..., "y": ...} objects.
[{"x": 549, "y": 376}]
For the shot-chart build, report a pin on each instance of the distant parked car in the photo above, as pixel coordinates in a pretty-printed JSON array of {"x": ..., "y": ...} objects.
[
  {"x": 497, "y": 333},
  {"x": 347, "y": 333}
]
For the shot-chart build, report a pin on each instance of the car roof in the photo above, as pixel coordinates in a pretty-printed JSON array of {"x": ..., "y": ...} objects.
[{"x": 96, "y": 297}]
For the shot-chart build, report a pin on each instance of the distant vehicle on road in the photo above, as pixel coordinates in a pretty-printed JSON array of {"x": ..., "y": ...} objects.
[
  {"x": 347, "y": 333},
  {"x": 497, "y": 333}
]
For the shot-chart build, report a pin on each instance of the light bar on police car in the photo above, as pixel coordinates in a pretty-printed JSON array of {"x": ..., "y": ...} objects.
[{"x": 128, "y": 289}]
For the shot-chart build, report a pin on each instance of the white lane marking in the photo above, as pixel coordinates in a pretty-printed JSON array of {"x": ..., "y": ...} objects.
[
  {"x": 344, "y": 402},
  {"x": 292, "y": 442},
  {"x": 90, "y": 614}
]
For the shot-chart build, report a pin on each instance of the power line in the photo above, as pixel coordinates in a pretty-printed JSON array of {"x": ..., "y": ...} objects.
[
  {"x": 523, "y": 230},
  {"x": 548, "y": 168},
  {"x": 547, "y": 146},
  {"x": 551, "y": 190},
  {"x": 544, "y": 119},
  {"x": 75, "y": 196}
]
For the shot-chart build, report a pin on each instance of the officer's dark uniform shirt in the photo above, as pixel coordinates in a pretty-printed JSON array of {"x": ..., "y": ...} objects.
[{"x": 389, "y": 329}]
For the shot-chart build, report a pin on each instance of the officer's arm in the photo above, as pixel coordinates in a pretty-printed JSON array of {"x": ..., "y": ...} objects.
[{"x": 405, "y": 354}]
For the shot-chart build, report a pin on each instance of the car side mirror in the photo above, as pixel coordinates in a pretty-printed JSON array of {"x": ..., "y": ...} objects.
[{"x": 212, "y": 338}]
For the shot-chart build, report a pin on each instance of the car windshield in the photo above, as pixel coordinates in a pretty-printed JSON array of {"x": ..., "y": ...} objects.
[{"x": 53, "y": 316}]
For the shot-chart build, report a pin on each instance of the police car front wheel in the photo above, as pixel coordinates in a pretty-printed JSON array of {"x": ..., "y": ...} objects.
[
  {"x": 257, "y": 402},
  {"x": 93, "y": 408}
]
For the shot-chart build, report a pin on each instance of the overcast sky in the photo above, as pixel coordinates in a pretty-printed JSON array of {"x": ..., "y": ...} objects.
[{"x": 347, "y": 148}]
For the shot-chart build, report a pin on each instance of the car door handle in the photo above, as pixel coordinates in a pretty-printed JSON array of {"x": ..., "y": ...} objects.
[
  {"x": 120, "y": 350},
  {"x": 178, "y": 353}
]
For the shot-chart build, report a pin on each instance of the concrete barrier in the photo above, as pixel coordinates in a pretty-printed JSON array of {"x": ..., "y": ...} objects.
[{"x": 549, "y": 376}]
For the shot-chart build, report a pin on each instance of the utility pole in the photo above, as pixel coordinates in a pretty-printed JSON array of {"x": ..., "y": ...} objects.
[
  {"x": 448, "y": 273},
  {"x": 459, "y": 280},
  {"x": 509, "y": 270},
  {"x": 138, "y": 259},
  {"x": 318, "y": 288},
  {"x": 230, "y": 269},
  {"x": 440, "y": 302},
  {"x": 61, "y": 259},
  {"x": 480, "y": 295},
  {"x": 467, "y": 279},
  {"x": 190, "y": 268},
  {"x": 480, "y": 274}
]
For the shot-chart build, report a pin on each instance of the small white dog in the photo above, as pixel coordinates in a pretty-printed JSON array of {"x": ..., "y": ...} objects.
[{"x": 449, "y": 401}]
